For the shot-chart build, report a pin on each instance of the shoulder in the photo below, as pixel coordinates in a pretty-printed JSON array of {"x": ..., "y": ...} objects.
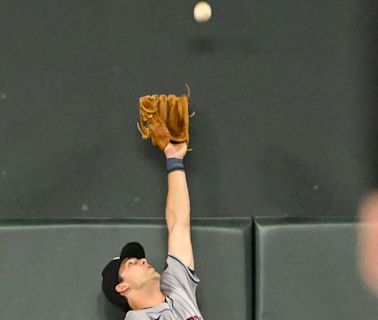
[
  {"x": 136, "y": 315},
  {"x": 175, "y": 266}
]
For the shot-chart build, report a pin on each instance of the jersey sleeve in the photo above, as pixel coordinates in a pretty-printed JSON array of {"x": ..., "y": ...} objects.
[
  {"x": 131, "y": 315},
  {"x": 177, "y": 277}
]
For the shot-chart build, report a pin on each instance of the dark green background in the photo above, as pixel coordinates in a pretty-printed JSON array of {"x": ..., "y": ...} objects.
[{"x": 285, "y": 94}]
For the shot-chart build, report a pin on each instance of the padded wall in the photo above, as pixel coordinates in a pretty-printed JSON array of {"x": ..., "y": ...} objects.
[
  {"x": 52, "y": 269},
  {"x": 307, "y": 269}
]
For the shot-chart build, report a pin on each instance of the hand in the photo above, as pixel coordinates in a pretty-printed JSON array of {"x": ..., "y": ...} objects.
[{"x": 176, "y": 150}]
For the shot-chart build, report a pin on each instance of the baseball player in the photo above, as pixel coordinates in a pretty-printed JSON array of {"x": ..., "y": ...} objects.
[{"x": 129, "y": 281}]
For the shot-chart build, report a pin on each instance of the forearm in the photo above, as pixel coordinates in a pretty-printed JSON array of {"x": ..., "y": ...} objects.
[
  {"x": 177, "y": 210},
  {"x": 178, "y": 203}
]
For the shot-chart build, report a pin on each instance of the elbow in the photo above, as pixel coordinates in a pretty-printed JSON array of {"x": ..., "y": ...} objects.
[{"x": 178, "y": 219}]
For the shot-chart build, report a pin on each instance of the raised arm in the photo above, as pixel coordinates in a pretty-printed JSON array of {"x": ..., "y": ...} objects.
[{"x": 177, "y": 211}]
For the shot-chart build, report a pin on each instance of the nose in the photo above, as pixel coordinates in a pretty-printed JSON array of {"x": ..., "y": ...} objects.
[{"x": 143, "y": 261}]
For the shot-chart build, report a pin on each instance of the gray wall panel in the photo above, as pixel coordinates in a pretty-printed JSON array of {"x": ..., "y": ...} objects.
[
  {"x": 307, "y": 268},
  {"x": 53, "y": 268}
]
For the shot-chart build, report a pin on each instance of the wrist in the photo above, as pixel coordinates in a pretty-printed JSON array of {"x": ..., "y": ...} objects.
[
  {"x": 174, "y": 164},
  {"x": 175, "y": 150},
  {"x": 171, "y": 156}
]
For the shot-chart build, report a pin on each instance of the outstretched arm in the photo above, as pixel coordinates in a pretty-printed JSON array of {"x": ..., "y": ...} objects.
[{"x": 177, "y": 210}]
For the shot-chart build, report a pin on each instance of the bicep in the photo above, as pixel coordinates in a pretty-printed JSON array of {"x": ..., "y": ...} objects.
[{"x": 180, "y": 244}]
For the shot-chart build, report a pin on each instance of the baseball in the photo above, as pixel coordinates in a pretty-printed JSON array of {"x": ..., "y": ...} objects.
[{"x": 202, "y": 12}]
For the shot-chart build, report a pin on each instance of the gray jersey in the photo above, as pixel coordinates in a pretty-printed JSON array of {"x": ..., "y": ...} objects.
[{"x": 179, "y": 284}]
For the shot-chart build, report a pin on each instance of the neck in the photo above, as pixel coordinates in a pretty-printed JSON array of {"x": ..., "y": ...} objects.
[{"x": 147, "y": 298}]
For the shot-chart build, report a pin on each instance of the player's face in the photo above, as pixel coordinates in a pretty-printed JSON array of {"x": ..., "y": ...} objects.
[{"x": 137, "y": 273}]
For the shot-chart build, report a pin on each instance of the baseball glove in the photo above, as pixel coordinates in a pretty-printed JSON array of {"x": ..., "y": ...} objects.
[{"x": 164, "y": 119}]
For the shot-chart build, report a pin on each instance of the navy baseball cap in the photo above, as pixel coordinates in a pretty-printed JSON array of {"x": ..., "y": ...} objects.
[{"x": 110, "y": 274}]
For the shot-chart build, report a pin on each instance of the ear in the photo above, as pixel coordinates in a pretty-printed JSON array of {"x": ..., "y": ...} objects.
[{"x": 121, "y": 287}]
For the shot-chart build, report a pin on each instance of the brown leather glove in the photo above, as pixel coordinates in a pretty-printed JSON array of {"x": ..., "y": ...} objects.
[{"x": 164, "y": 119}]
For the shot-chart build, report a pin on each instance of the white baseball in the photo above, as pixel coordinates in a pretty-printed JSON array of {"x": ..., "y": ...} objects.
[{"x": 202, "y": 11}]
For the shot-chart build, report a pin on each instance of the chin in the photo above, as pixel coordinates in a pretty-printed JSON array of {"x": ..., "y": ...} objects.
[{"x": 157, "y": 275}]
